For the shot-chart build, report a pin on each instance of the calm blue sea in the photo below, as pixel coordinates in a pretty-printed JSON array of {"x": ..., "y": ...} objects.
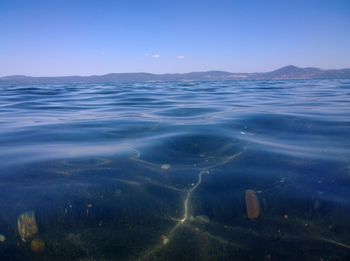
[{"x": 159, "y": 171}]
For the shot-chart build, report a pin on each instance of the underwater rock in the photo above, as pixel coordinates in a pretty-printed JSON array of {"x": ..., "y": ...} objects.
[
  {"x": 2, "y": 238},
  {"x": 252, "y": 204},
  {"x": 27, "y": 226},
  {"x": 165, "y": 166},
  {"x": 201, "y": 220},
  {"x": 37, "y": 245}
]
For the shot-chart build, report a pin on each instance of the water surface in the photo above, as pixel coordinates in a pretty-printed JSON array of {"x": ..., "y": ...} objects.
[{"x": 158, "y": 171}]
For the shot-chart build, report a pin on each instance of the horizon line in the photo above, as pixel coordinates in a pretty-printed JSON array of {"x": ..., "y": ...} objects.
[{"x": 143, "y": 72}]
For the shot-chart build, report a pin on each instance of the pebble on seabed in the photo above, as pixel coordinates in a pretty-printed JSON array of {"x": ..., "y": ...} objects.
[
  {"x": 252, "y": 204},
  {"x": 2, "y": 238},
  {"x": 165, "y": 239},
  {"x": 317, "y": 204},
  {"x": 27, "y": 226},
  {"x": 165, "y": 166},
  {"x": 200, "y": 219},
  {"x": 37, "y": 245}
]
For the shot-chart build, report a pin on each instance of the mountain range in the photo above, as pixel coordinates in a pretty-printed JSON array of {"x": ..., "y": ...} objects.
[{"x": 290, "y": 72}]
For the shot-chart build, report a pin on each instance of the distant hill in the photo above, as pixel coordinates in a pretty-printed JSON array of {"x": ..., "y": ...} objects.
[{"x": 285, "y": 73}]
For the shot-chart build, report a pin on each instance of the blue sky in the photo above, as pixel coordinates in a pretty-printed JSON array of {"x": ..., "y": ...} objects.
[{"x": 84, "y": 37}]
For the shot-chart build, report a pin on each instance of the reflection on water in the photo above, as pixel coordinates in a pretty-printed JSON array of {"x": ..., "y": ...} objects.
[{"x": 251, "y": 170}]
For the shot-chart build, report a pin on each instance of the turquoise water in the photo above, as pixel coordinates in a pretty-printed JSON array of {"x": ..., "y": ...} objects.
[{"x": 159, "y": 171}]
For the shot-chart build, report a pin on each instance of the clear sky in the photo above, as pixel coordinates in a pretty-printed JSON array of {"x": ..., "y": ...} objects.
[{"x": 84, "y": 37}]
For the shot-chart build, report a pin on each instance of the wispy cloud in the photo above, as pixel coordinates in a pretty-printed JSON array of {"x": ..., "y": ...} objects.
[
  {"x": 156, "y": 56},
  {"x": 102, "y": 53},
  {"x": 180, "y": 57}
]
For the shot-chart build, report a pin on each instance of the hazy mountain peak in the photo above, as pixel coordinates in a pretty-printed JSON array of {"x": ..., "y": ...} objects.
[{"x": 288, "y": 68}]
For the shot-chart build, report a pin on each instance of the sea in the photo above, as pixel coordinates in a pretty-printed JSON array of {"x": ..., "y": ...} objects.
[{"x": 221, "y": 170}]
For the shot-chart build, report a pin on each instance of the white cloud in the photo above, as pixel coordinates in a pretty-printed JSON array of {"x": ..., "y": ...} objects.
[
  {"x": 180, "y": 57},
  {"x": 156, "y": 56}
]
